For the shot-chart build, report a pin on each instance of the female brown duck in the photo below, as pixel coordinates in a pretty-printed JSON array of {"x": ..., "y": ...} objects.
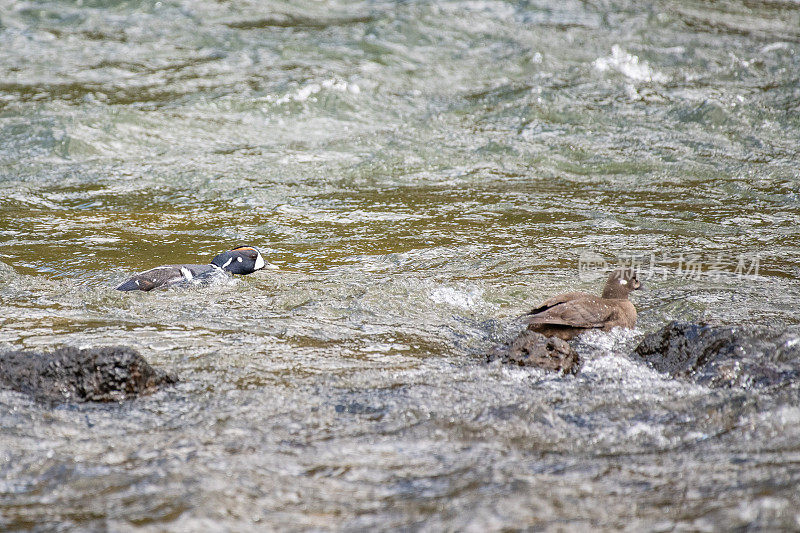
[{"x": 568, "y": 315}]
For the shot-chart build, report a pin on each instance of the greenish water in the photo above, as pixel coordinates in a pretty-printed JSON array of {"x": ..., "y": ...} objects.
[{"x": 423, "y": 173}]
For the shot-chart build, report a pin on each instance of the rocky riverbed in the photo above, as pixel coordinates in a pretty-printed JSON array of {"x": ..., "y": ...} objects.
[{"x": 423, "y": 173}]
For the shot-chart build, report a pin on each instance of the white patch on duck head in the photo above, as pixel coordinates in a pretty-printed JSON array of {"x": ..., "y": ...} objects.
[
  {"x": 228, "y": 262},
  {"x": 623, "y": 282},
  {"x": 239, "y": 259},
  {"x": 259, "y": 262}
]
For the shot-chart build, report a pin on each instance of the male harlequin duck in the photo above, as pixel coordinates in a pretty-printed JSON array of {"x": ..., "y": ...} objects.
[
  {"x": 242, "y": 260},
  {"x": 568, "y": 315}
]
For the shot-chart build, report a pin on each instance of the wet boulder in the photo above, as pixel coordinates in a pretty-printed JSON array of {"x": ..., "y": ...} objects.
[
  {"x": 534, "y": 349},
  {"x": 723, "y": 356},
  {"x": 73, "y": 375}
]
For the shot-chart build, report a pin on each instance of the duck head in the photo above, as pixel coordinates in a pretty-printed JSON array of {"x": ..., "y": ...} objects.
[
  {"x": 242, "y": 260},
  {"x": 621, "y": 283}
]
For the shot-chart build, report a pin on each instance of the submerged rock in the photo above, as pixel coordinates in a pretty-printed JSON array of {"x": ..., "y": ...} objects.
[
  {"x": 723, "y": 355},
  {"x": 534, "y": 349},
  {"x": 73, "y": 375}
]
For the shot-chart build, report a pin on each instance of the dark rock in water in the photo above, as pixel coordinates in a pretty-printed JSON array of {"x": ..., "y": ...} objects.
[
  {"x": 723, "y": 355},
  {"x": 534, "y": 349},
  {"x": 73, "y": 375}
]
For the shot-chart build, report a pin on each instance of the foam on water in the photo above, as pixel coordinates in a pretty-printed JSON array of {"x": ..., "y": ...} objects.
[
  {"x": 628, "y": 65},
  {"x": 311, "y": 89},
  {"x": 464, "y": 298}
]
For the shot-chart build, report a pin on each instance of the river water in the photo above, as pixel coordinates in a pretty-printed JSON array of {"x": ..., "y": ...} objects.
[{"x": 422, "y": 173}]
